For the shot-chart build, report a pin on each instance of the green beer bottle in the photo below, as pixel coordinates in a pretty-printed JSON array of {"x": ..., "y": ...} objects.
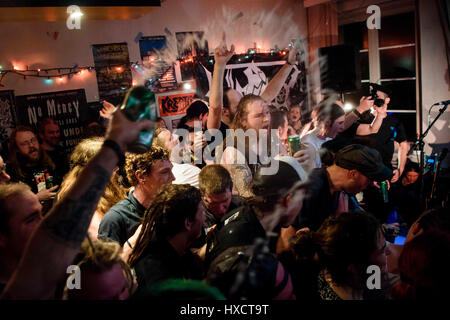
[{"x": 139, "y": 103}]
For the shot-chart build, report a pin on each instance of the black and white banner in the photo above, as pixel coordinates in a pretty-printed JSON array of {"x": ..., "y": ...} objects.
[
  {"x": 253, "y": 77},
  {"x": 63, "y": 106}
]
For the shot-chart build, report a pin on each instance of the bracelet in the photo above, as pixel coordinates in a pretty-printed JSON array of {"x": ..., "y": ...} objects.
[
  {"x": 116, "y": 148},
  {"x": 291, "y": 64},
  {"x": 357, "y": 113}
]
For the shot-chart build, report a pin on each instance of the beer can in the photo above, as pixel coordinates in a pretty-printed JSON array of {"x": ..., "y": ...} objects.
[
  {"x": 294, "y": 144},
  {"x": 49, "y": 182},
  {"x": 384, "y": 191}
]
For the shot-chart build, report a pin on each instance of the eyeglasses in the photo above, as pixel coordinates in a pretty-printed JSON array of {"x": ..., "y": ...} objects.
[{"x": 28, "y": 143}]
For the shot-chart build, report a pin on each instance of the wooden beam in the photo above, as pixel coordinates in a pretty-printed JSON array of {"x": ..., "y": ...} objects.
[{"x": 311, "y": 3}]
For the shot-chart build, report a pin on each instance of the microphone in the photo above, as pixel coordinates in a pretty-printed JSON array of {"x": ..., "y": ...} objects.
[{"x": 446, "y": 102}]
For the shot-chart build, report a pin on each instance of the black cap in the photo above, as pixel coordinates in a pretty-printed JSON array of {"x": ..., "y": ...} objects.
[
  {"x": 264, "y": 185},
  {"x": 377, "y": 87},
  {"x": 364, "y": 159}
]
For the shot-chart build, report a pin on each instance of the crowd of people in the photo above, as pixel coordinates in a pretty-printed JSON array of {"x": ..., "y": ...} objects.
[{"x": 170, "y": 223}]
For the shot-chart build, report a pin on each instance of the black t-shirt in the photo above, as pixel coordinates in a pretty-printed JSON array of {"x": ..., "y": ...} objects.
[
  {"x": 35, "y": 176},
  {"x": 383, "y": 141},
  {"x": 391, "y": 130},
  {"x": 122, "y": 220},
  {"x": 407, "y": 200},
  {"x": 211, "y": 220},
  {"x": 160, "y": 261},
  {"x": 240, "y": 227},
  {"x": 318, "y": 203}
]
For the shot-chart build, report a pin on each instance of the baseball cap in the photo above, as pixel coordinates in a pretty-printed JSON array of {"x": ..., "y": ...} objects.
[
  {"x": 289, "y": 174},
  {"x": 364, "y": 159}
]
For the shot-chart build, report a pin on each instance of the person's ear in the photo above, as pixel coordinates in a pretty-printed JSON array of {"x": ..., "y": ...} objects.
[
  {"x": 188, "y": 224},
  {"x": 140, "y": 176},
  {"x": 244, "y": 123},
  {"x": 286, "y": 200},
  {"x": 352, "y": 174},
  {"x": 416, "y": 229}
]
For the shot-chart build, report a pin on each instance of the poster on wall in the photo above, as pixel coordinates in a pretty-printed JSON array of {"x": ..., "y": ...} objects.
[
  {"x": 66, "y": 107},
  {"x": 174, "y": 103},
  {"x": 112, "y": 65},
  {"x": 163, "y": 74},
  {"x": 253, "y": 77},
  {"x": 190, "y": 45},
  {"x": 7, "y": 115},
  {"x": 172, "y": 106}
]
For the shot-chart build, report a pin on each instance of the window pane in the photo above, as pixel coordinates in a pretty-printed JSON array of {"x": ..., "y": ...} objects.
[
  {"x": 398, "y": 63},
  {"x": 364, "y": 59},
  {"x": 403, "y": 95},
  {"x": 398, "y": 29},
  {"x": 354, "y": 33},
  {"x": 409, "y": 122}
]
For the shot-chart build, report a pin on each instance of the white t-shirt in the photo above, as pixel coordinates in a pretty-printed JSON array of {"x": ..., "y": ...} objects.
[
  {"x": 185, "y": 173},
  {"x": 316, "y": 142}
]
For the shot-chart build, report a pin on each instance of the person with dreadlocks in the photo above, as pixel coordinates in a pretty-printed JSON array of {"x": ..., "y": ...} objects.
[
  {"x": 251, "y": 232},
  {"x": 170, "y": 225}
]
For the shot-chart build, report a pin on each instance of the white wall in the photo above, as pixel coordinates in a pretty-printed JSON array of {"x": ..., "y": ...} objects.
[
  {"x": 27, "y": 44},
  {"x": 435, "y": 77}
]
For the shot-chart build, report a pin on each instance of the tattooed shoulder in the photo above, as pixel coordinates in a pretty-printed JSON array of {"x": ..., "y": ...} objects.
[{"x": 242, "y": 178}]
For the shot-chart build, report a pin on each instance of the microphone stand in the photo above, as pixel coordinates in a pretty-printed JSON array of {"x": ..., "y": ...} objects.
[
  {"x": 430, "y": 199},
  {"x": 419, "y": 145}
]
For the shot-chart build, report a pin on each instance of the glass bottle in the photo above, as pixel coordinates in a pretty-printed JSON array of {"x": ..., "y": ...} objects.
[{"x": 139, "y": 104}]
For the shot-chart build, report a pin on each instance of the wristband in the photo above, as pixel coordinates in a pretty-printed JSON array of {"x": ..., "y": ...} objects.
[
  {"x": 116, "y": 148},
  {"x": 357, "y": 113}
]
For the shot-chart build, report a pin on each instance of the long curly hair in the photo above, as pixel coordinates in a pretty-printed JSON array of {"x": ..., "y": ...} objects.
[
  {"x": 79, "y": 158},
  {"x": 166, "y": 215}
]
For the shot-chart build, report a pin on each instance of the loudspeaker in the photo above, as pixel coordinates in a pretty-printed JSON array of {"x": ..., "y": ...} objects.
[{"x": 340, "y": 68}]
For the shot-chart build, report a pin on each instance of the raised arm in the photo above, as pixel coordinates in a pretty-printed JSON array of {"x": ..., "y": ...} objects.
[
  {"x": 365, "y": 103},
  {"x": 56, "y": 241},
  {"x": 366, "y": 129},
  {"x": 275, "y": 85},
  {"x": 221, "y": 56}
]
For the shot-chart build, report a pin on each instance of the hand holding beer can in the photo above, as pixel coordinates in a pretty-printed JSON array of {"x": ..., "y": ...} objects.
[
  {"x": 294, "y": 145},
  {"x": 384, "y": 191}
]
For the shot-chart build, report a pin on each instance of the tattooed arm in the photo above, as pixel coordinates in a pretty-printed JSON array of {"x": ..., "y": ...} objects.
[
  {"x": 56, "y": 241},
  {"x": 234, "y": 162}
]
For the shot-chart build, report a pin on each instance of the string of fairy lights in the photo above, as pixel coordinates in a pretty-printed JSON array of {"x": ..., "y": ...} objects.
[{"x": 61, "y": 73}]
